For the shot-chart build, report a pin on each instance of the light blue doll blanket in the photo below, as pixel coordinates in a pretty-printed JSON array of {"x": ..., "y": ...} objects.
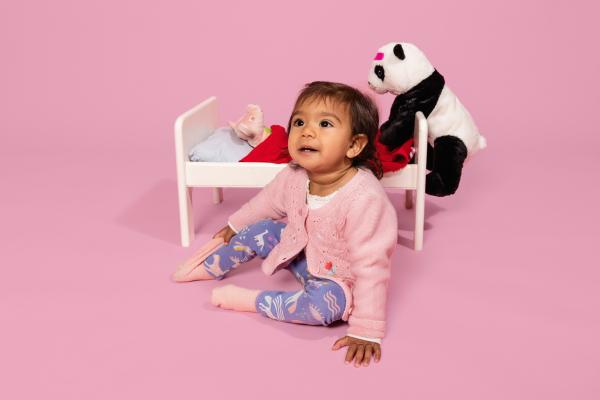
[{"x": 223, "y": 145}]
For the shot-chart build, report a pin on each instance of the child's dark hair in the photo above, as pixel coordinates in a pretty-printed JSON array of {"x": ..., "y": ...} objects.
[{"x": 364, "y": 116}]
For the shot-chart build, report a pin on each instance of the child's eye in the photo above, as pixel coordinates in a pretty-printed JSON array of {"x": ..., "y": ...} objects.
[
  {"x": 297, "y": 122},
  {"x": 325, "y": 124}
]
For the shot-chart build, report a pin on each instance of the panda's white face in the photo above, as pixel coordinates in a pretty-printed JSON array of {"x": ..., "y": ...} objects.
[{"x": 398, "y": 67}]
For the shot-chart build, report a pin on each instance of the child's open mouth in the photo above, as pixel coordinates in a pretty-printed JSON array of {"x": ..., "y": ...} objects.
[{"x": 306, "y": 149}]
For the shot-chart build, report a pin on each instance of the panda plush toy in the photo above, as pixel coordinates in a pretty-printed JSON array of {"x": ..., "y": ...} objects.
[{"x": 403, "y": 70}]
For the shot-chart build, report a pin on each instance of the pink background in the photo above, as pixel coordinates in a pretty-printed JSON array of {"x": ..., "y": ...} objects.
[{"x": 501, "y": 304}]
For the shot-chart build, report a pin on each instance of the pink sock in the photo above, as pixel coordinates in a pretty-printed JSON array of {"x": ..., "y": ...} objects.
[
  {"x": 193, "y": 268},
  {"x": 231, "y": 297}
]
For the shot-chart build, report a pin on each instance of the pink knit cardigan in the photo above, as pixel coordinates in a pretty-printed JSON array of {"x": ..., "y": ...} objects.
[{"x": 349, "y": 240}]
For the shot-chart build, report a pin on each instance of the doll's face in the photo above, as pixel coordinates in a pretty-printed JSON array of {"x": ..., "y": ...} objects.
[
  {"x": 250, "y": 126},
  {"x": 320, "y": 137}
]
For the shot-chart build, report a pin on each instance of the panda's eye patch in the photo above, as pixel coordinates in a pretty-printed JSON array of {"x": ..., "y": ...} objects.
[{"x": 379, "y": 72}]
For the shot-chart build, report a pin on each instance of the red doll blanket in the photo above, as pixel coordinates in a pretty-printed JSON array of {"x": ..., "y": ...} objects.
[{"x": 274, "y": 150}]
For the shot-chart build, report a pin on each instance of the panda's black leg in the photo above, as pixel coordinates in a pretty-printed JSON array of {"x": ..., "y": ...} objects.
[
  {"x": 430, "y": 157},
  {"x": 449, "y": 154}
]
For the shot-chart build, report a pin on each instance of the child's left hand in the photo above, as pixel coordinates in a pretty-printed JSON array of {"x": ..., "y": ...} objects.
[{"x": 360, "y": 350}]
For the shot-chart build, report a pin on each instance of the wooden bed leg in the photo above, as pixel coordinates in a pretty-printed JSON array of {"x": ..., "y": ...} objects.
[
  {"x": 419, "y": 218},
  {"x": 408, "y": 199},
  {"x": 186, "y": 215},
  {"x": 421, "y": 131},
  {"x": 217, "y": 195}
]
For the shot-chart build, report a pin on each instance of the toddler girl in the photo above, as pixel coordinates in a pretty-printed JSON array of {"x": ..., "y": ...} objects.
[{"x": 340, "y": 233}]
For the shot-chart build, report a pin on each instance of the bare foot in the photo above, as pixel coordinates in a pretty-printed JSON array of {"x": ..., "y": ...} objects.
[
  {"x": 232, "y": 297},
  {"x": 193, "y": 269}
]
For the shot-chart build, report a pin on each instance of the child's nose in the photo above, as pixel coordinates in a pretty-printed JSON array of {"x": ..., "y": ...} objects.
[{"x": 307, "y": 130}]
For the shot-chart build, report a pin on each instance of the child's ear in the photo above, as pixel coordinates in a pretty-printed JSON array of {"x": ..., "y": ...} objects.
[{"x": 357, "y": 144}]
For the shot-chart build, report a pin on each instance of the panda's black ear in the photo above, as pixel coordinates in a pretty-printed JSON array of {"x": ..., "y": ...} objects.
[{"x": 399, "y": 51}]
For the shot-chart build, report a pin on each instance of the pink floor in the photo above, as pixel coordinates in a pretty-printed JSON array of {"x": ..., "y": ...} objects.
[{"x": 502, "y": 303}]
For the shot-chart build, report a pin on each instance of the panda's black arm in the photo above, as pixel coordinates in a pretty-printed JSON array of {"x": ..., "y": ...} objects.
[
  {"x": 399, "y": 127},
  {"x": 395, "y": 134}
]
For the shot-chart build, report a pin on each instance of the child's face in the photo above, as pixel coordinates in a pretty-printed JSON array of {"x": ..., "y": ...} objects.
[{"x": 320, "y": 136}]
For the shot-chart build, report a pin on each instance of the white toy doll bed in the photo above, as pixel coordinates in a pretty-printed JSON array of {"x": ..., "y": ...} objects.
[{"x": 196, "y": 124}]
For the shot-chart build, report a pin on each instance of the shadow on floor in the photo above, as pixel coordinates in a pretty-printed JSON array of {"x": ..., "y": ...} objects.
[{"x": 155, "y": 211}]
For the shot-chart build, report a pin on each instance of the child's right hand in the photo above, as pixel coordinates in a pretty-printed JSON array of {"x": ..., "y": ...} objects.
[{"x": 226, "y": 233}]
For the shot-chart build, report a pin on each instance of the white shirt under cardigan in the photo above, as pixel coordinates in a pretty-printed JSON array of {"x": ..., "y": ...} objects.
[{"x": 313, "y": 202}]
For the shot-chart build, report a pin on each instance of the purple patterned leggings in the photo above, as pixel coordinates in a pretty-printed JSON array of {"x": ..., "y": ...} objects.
[{"x": 320, "y": 302}]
